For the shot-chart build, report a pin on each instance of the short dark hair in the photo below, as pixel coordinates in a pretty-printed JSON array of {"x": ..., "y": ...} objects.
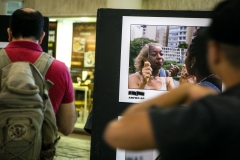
[
  {"x": 26, "y": 24},
  {"x": 225, "y": 29},
  {"x": 198, "y": 49}
]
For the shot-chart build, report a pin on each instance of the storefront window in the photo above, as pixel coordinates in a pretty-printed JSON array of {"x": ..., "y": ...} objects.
[
  {"x": 12, "y": 6},
  {"x": 74, "y": 39}
]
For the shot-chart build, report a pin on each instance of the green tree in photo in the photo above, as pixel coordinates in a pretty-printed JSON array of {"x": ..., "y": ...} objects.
[
  {"x": 183, "y": 45},
  {"x": 135, "y": 47}
]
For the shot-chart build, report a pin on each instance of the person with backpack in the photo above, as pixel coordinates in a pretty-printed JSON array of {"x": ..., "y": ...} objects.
[
  {"x": 25, "y": 36},
  {"x": 192, "y": 121},
  {"x": 32, "y": 79}
]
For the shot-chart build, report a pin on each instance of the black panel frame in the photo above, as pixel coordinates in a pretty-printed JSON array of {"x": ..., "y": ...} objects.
[{"x": 106, "y": 105}]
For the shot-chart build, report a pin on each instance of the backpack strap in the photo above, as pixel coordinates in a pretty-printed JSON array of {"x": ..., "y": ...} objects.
[
  {"x": 4, "y": 59},
  {"x": 43, "y": 62}
]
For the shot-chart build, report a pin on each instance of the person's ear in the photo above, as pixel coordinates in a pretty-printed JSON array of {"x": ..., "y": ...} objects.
[
  {"x": 41, "y": 38},
  {"x": 193, "y": 61},
  {"x": 213, "y": 53},
  {"x": 9, "y": 34}
]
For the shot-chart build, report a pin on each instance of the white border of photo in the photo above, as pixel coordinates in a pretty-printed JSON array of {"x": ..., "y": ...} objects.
[{"x": 125, "y": 47}]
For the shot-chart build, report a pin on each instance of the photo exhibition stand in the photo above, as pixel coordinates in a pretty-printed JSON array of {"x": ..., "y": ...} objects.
[{"x": 111, "y": 94}]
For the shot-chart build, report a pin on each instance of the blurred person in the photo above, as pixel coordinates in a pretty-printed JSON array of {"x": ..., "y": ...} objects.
[
  {"x": 208, "y": 127},
  {"x": 196, "y": 63},
  {"x": 149, "y": 72},
  {"x": 186, "y": 77},
  {"x": 25, "y": 35}
]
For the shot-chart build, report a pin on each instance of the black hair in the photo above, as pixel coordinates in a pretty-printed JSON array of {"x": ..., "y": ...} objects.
[
  {"x": 198, "y": 49},
  {"x": 26, "y": 24},
  {"x": 225, "y": 25},
  {"x": 225, "y": 29}
]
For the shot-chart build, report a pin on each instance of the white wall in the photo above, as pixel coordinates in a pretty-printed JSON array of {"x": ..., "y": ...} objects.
[{"x": 64, "y": 42}]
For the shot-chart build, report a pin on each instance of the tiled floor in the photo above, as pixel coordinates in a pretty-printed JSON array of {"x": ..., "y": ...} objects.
[{"x": 74, "y": 147}]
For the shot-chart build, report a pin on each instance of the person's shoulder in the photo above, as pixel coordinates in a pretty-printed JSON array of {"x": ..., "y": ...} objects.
[
  {"x": 218, "y": 102},
  {"x": 136, "y": 74},
  {"x": 134, "y": 77},
  {"x": 58, "y": 67},
  {"x": 211, "y": 85},
  {"x": 58, "y": 63},
  {"x": 219, "y": 109}
]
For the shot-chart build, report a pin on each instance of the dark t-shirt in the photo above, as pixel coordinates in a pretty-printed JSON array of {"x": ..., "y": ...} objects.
[{"x": 207, "y": 129}]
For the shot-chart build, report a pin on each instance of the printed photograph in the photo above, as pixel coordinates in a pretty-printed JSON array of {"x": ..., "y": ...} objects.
[
  {"x": 157, "y": 55},
  {"x": 89, "y": 59},
  {"x": 78, "y": 44},
  {"x": 153, "y": 53}
]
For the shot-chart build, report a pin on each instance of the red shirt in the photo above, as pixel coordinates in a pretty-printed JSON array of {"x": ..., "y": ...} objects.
[{"x": 62, "y": 91}]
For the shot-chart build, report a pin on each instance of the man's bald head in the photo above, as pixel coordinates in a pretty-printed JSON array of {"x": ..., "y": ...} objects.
[
  {"x": 25, "y": 23},
  {"x": 29, "y": 10}
]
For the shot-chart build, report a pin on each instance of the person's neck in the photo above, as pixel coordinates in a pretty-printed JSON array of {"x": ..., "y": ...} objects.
[
  {"x": 25, "y": 39},
  {"x": 229, "y": 76},
  {"x": 230, "y": 80},
  {"x": 155, "y": 73}
]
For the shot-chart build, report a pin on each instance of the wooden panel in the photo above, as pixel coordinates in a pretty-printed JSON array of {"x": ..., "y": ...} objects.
[
  {"x": 89, "y": 8},
  {"x": 28, "y": 3},
  {"x": 180, "y": 4},
  {"x": 66, "y": 8}
]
